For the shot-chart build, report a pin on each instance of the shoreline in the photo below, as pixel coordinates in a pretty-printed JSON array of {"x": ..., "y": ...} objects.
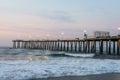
[{"x": 106, "y": 76}]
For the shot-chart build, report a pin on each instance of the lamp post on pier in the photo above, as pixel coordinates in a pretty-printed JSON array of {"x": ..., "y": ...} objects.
[
  {"x": 62, "y": 34},
  {"x": 119, "y": 32},
  {"x": 85, "y": 34}
]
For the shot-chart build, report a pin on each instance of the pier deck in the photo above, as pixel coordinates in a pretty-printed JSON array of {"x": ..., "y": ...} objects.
[{"x": 91, "y": 45}]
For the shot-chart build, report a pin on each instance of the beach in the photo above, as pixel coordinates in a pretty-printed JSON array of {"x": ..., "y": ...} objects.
[
  {"x": 109, "y": 76},
  {"x": 27, "y": 64},
  {"x": 59, "y": 40}
]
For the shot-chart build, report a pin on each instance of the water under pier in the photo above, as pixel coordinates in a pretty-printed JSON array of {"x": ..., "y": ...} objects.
[{"x": 109, "y": 46}]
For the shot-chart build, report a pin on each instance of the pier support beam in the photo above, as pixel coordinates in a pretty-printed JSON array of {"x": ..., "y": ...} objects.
[
  {"x": 14, "y": 44},
  {"x": 101, "y": 47},
  {"x": 109, "y": 49},
  {"x": 118, "y": 47}
]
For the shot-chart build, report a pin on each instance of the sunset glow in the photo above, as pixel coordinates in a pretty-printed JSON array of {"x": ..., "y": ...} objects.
[{"x": 38, "y": 19}]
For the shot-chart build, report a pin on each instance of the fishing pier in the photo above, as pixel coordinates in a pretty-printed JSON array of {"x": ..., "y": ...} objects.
[{"x": 101, "y": 46}]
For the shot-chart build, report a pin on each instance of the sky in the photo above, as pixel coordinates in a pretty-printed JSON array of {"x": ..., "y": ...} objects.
[{"x": 47, "y": 19}]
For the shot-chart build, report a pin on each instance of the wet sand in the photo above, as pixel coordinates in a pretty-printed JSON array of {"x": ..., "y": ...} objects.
[{"x": 109, "y": 76}]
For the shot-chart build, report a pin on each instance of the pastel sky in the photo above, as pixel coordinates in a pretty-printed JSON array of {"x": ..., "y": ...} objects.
[{"x": 36, "y": 19}]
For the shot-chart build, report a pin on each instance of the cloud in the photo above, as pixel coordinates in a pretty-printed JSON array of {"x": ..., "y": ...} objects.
[{"x": 59, "y": 16}]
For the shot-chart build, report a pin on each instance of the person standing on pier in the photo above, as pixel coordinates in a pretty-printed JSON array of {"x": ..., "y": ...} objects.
[{"x": 85, "y": 34}]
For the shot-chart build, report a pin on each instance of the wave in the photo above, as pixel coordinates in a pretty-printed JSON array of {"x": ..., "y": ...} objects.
[
  {"x": 25, "y": 69},
  {"x": 66, "y": 54}
]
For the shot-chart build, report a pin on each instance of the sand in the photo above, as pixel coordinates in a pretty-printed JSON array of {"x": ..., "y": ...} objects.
[{"x": 109, "y": 76}]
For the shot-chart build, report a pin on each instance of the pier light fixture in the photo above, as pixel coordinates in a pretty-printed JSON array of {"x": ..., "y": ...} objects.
[
  {"x": 119, "y": 31},
  {"x": 62, "y": 33},
  {"x": 85, "y": 34},
  {"x": 85, "y": 31},
  {"x": 119, "y": 28}
]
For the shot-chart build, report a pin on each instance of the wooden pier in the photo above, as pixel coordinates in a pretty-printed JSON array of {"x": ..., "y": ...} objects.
[{"x": 109, "y": 46}]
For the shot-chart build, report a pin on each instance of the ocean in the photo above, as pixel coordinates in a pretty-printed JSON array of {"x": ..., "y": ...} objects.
[{"x": 25, "y": 64}]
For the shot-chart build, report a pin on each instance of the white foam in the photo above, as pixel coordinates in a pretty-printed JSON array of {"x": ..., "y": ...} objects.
[
  {"x": 24, "y": 69},
  {"x": 80, "y": 55}
]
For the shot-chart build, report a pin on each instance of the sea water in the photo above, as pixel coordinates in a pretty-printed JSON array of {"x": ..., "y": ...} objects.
[{"x": 22, "y": 64}]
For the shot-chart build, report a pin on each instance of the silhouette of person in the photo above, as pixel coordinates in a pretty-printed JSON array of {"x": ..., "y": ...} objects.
[{"x": 85, "y": 35}]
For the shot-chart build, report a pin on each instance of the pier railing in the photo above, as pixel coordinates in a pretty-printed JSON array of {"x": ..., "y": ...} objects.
[{"x": 91, "y": 45}]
